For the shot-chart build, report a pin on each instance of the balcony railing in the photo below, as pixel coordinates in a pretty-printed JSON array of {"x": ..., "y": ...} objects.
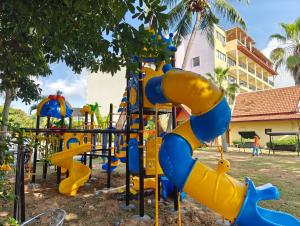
[
  {"x": 231, "y": 80},
  {"x": 243, "y": 65},
  {"x": 230, "y": 62},
  {"x": 243, "y": 83},
  {"x": 251, "y": 70},
  {"x": 259, "y": 75},
  {"x": 252, "y": 87}
]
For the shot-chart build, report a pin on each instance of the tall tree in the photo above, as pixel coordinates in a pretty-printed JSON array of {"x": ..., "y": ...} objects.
[
  {"x": 91, "y": 34},
  {"x": 287, "y": 54},
  {"x": 220, "y": 79},
  {"x": 189, "y": 16}
]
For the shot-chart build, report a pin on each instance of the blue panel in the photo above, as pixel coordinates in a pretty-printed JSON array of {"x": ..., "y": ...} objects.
[
  {"x": 167, "y": 67},
  {"x": 251, "y": 214},
  {"x": 168, "y": 189},
  {"x": 154, "y": 90},
  {"x": 133, "y": 83},
  {"x": 175, "y": 159},
  {"x": 149, "y": 60},
  {"x": 214, "y": 123},
  {"x": 123, "y": 160},
  {"x": 133, "y": 156},
  {"x": 52, "y": 109},
  {"x": 172, "y": 48},
  {"x": 72, "y": 140},
  {"x": 105, "y": 167},
  {"x": 69, "y": 111}
]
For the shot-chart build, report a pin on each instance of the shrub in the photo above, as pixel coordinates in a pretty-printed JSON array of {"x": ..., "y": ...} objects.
[{"x": 286, "y": 141}]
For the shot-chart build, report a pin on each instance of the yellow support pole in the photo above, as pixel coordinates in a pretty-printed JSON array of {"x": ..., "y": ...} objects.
[
  {"x": 156, "y": 167},
  {"x": 179, "y": 213}
]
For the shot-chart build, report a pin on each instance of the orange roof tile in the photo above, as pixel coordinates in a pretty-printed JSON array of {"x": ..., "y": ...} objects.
[{"x": 273, "y": 104}]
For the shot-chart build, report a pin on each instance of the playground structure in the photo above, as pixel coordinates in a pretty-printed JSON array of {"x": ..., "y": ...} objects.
[{"x": 150, "y": 93}]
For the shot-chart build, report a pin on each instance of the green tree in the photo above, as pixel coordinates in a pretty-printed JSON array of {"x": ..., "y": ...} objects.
[
  {"x": 19, "y": 117},
  {"x": 288, "y": 52},
  {"x": 91, "y": 34},
  {"x": 183, "y": 13},
  {"x": 220, "y": 79}
]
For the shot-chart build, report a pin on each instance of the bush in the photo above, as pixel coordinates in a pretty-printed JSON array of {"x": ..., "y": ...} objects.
[{"x": 286, "y": 141}]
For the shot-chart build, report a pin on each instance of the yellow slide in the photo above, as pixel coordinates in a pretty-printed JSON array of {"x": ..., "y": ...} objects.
[
  {"x": 78, "y": 173},
  {"x": 234, "y": 200}
]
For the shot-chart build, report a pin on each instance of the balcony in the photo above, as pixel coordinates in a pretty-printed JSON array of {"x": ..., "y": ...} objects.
[
  {"x": 252, "y": 87},
  {"x": 231, "y": 80},
  {"x": 230, "y": 62},
  {"x": 251, "y": 70},
  {"x": 243, "y": 83},
  {"x": 242, "y": 65},
  {"x": 266, "y": 79},
  {"x": 259, "y": 75}
]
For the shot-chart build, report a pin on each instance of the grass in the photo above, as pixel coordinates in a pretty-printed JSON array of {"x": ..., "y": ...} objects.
[{"x": 280, "y": 170}]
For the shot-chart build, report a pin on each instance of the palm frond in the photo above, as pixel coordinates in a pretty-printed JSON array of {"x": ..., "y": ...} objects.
[
  {"x": 297, "y": 23},
  {"x": 177, "y": 14},
  {"x": 183, "y": 28},
  {"x": 32, "y": 108},
  {"x": 170, "y": 3},
  {"x": 211, "y": 77},
  {"x": 277, "y": 56},
  {"x": 229, "y": 12},
  {"x": 292, "y": 62},
  {"x": 278, "y": 37},
  {"x": 245, "y": 1},
  {"x": 208, "y": 20},
  {"x": 290, "y": 30}
]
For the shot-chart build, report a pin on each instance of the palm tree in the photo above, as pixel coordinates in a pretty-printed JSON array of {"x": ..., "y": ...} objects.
[
  {"x": 220, "y": 78},
  {"x": 288, "y": 52},
  {"x": 206, "y": 11}
]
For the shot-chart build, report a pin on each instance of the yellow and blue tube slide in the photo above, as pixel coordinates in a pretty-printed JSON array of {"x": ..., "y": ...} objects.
[{"x": 234, "y": 200}]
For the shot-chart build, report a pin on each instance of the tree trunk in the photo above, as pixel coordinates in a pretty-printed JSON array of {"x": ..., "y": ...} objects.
[
  {"x": 296, "y": 75},
  {"x": 9, "y": 95},
  {"x": 191, "y": 40},
  {"x": 224, "y": 142}
]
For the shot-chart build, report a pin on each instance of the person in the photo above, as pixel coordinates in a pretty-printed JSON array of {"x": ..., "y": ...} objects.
[{"x": 255, "y": 151}]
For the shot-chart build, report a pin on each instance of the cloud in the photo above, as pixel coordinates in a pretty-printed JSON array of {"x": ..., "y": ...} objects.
[
  {"x": 75, "y": 88},
  {"x": 284, "y": 78}
]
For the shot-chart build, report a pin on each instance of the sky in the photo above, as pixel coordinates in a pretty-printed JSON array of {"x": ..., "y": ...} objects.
[{"x": 262, "y": 18}]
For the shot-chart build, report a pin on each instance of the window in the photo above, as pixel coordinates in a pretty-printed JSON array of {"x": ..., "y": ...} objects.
[
  {"x": 221, "y": 55},
  {"x": 220, "y": 37},
  {"x": 196, "y": 61},
  {"x": 231, "y": 62}
]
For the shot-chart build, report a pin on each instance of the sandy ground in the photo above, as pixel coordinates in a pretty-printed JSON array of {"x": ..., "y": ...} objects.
[{"x": 91, "y": 207}]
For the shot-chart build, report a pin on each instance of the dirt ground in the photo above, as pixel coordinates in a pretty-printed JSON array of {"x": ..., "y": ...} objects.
[{"x": 91, "y": 207}]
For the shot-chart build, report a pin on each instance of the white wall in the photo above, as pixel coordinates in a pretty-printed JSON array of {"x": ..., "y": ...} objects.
[
  {"x": 105, "y": 89},
  {"x": 200, "y": 48}
]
